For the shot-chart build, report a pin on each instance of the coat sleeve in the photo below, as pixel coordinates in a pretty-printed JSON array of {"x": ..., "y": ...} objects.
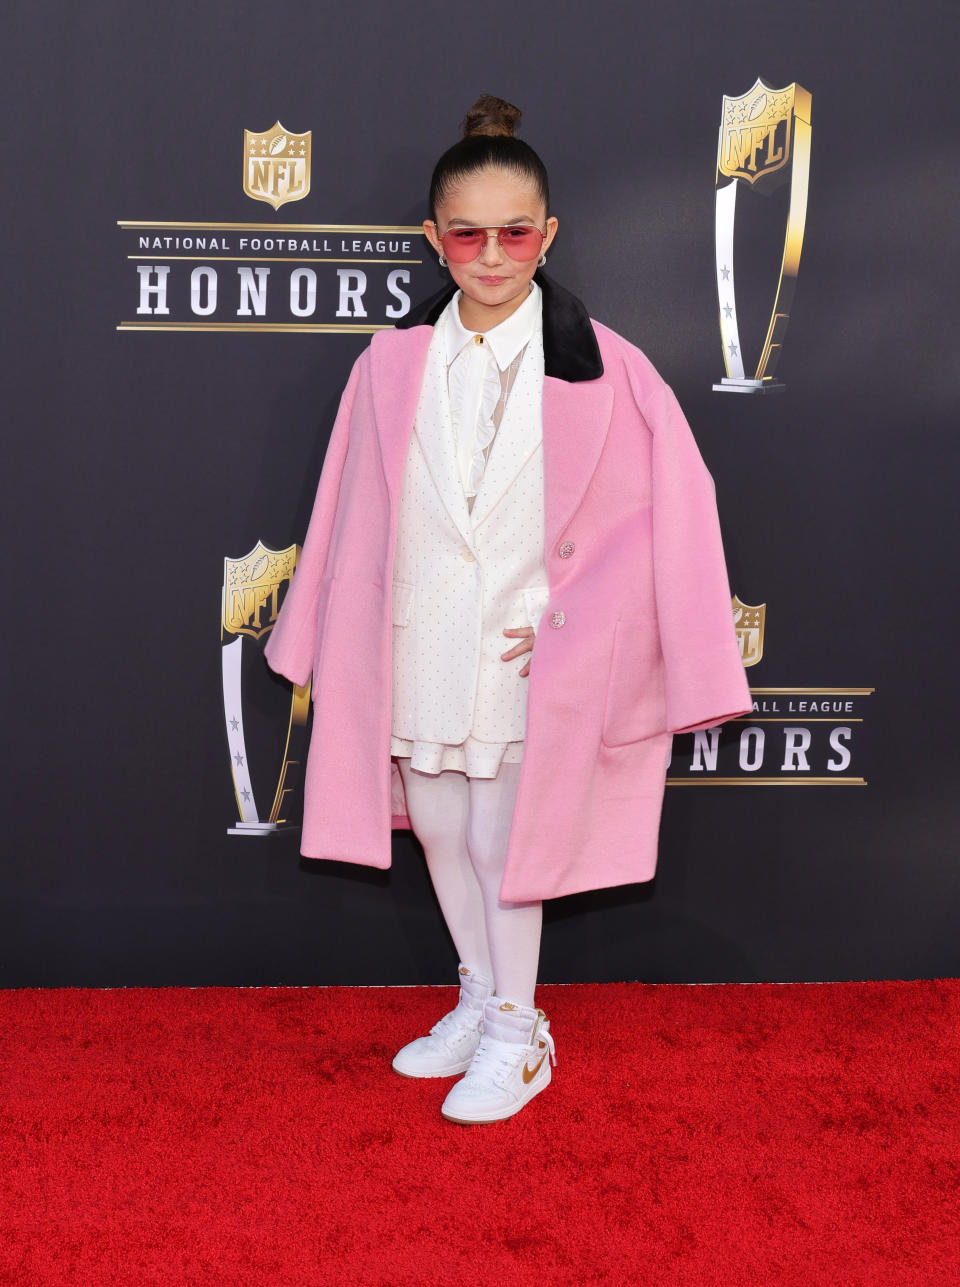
[
  {"x": 290, "y": 649},
  {"x": 704, "y": 679}
]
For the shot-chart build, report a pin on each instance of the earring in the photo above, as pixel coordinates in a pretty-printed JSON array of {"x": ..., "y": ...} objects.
[
  {"x": 443, "y": 261},
  {"x": 542, "y": 260}
]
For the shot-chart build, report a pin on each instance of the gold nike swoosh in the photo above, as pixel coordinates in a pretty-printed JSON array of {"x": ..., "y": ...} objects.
[{"x": 529, "y": 1073}]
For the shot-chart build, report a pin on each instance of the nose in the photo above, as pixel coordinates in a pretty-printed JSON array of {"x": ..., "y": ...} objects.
[{"x": 492, "y": 254}]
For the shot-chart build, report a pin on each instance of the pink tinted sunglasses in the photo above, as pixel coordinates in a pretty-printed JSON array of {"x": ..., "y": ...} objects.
[{"x": 521, "y": 241}]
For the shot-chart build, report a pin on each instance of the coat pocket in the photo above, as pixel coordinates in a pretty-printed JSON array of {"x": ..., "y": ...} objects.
[
  {"x": 635, "y": 705},
  {"x": 402, "y": 602}
]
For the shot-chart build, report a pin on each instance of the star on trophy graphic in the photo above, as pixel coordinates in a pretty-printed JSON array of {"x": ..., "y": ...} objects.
[
  {"x": 256, "y": 727},
  {"x": 764, "y": 143}
]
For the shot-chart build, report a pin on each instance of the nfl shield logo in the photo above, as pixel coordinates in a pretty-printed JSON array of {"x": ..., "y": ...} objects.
[
  {"x": 756, "y": 135},
  {"x": 749, "y": 620},
  {"x": 251, "y": 589},
  {"x": 276, "y": 165}
]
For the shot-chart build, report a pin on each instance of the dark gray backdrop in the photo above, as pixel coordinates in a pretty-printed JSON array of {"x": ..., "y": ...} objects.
[{"x": 136, "y": 462}]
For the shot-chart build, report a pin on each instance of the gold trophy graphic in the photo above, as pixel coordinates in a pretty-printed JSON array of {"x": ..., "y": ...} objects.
[
  {"x": 764, "y": 143},
  {"x": 249, "y": 607}
]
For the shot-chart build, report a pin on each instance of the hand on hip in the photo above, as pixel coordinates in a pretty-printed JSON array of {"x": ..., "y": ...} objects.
[{"x": 525, "y": 645}]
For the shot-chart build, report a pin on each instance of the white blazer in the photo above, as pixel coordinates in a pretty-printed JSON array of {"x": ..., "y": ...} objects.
[{"x": 462, "y": 576}]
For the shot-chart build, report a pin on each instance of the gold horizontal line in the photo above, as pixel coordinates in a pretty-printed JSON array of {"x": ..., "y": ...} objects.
[
  {"x": 412, "y": 230},
  {"x": 779, "y": 719},
  {"x": 330, "y": 328},
  {"x": 851, "y": 692},
  {"x": 281, "y": 259},
  {"x": 710, "y": 781}
]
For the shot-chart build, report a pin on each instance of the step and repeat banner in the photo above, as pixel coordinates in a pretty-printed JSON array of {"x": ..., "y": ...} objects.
[{"x": 216, "y": 208}]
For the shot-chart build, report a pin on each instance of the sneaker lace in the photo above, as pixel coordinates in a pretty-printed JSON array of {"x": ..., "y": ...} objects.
[
  {"x": 496, "y": 1060},
  {"x": 454, "y": 1022}
]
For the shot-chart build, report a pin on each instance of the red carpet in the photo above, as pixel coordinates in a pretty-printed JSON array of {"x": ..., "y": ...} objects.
[{"x": 763, "y": 1134}]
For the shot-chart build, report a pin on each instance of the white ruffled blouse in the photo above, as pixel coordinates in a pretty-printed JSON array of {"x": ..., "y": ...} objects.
[
  {"x": 480, "y": 373},
  {"x": 479, "y": 378}
]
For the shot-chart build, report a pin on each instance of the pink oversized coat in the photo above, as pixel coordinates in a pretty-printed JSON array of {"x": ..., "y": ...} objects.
[{"x": 647, "y": 647}]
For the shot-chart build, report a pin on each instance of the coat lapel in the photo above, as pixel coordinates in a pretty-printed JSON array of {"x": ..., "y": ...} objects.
[
  {"x": 396, "y": 376},
  {"x": 576, "y": 418},
  {"x": 434, "y": 427}
]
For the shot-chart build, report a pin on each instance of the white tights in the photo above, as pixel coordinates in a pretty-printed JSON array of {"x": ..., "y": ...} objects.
[{"x": 462, "y": 824}]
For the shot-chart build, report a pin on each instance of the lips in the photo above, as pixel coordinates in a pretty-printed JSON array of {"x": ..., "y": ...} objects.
[{"x": 493, "y": 281}]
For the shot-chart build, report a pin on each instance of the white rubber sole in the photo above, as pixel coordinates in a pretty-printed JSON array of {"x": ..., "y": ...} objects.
[
  {"x": 452, "y": 1070},
  {"x": 480, "y": 1119}
]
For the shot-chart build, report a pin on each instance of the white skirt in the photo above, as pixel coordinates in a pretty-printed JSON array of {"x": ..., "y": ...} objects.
[{"x": 474, "y": 758}]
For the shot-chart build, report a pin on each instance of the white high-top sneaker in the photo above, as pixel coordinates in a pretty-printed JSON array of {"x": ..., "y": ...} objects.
[
  {"x": 452, "y": 1041},
  {"x": 512, "y": 1064}
]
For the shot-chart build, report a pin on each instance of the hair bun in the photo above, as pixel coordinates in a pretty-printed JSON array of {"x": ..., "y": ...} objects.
[{"x": 491, "y": 116}]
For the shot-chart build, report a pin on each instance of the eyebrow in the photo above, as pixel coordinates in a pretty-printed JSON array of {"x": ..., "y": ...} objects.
[{"x": 467, "y": 224}]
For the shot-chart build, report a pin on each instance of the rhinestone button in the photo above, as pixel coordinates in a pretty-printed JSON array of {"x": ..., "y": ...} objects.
[
  {"x": 566, "y": 549},
  {"x": 478, "y": 339},
  {"x": 557, "y": 619}
]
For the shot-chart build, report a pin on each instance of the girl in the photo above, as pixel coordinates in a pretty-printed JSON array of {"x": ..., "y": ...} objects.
[{"x": 493, "y": 449}]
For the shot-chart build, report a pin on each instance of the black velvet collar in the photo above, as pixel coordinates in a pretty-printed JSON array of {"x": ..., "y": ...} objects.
[{"x": 570, "y": 350}]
